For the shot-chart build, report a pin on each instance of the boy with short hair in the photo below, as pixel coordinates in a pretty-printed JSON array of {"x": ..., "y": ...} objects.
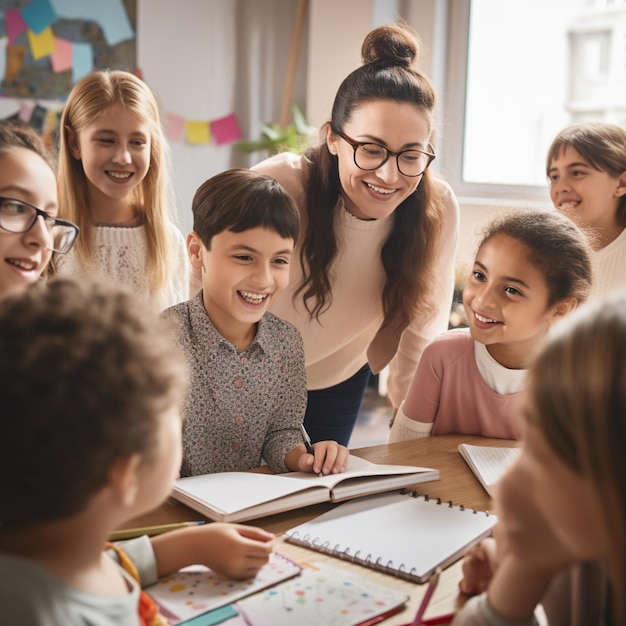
[
  {"x": 90, "y": 388},
  {"x": 247, "y": 395}
]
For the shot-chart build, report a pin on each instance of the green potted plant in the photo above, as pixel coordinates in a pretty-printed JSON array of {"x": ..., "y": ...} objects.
[{"x": 296, "y": 137}]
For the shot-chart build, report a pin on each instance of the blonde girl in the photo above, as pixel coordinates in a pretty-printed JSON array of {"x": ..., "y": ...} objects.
[
  {"x": 586, "y": 167},
  {"x": 114, "y": 182}
]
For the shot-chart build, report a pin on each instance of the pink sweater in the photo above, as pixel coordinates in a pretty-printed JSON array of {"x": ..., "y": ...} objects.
[{"x": 449, "y": 392}]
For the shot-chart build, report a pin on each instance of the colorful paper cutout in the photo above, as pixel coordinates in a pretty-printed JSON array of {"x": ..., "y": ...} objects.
[
  {"x": 39, "y": 15},
  {"x": 14, "y": 23},
  {"x": 15, "y": 60},
  {"x": 82, "y": 60},
  {"x": 174, "y": 126},
  {"x": 197, "y": 132},
  {"x": 226, "y": 129},
  {"x": 52, "y": 120},
  {"x": 61, "y": 58},
  {"x": 25, "y": 112},
  {"x": 109, "y": 14},
  {"x": 42, "y": 44}
]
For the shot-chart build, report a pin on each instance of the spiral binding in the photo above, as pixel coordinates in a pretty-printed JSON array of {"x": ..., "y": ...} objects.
[{"x": 369, "y": 560}]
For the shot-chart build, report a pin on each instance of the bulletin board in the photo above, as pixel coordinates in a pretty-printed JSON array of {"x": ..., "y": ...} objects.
[{"x": 48, "y": 45}]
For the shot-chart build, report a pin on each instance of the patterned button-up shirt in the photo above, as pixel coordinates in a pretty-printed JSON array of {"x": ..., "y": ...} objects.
[{"x": 240, "y": 408}]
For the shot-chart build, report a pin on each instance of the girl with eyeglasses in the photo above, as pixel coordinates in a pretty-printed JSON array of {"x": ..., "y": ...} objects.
[
  {"x": 374, "y": 271},
  {"x": 30, "y": 231}
]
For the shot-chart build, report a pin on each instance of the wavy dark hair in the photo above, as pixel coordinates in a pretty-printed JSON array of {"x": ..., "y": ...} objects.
[{"x": 386, "y": 74}]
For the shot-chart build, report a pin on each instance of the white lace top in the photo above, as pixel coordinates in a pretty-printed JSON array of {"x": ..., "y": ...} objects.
[{"x": 121, "y": 252}]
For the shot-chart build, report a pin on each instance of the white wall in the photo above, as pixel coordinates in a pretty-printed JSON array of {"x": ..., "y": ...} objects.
[{"x": 176, "y": 53}]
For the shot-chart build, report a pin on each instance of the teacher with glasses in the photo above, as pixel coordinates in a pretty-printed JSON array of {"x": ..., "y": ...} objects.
[{"x": 373, "y": 274}]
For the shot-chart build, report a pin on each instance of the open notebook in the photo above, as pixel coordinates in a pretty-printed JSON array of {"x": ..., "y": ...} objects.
[
  {"x": 403, "y": 534},
  {"x": 488, "y": 463},
  {"x": 240, "y": 496}
]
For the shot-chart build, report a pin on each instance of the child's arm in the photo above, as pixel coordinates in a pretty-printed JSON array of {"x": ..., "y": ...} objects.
[
  {"x": 403, "y": 427},
  {"x": 232, "y": 550},
  {"x": 415, "y": 417},
  {"x": 329, "y": 457}
]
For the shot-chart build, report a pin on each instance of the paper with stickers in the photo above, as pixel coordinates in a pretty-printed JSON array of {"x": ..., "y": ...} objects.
[
  {"x": 195, "y": 590},
  {"x": 322, "y": 595}
]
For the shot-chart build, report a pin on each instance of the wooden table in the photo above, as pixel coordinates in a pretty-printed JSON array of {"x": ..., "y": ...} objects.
[{"x": 457, "y": 484}]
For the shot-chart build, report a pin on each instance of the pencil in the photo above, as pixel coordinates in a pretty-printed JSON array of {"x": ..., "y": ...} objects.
[
  {"x": 307, "y": 443},
  {"x": 131, "y": 533},
  {"x": 432, "y": 585}
]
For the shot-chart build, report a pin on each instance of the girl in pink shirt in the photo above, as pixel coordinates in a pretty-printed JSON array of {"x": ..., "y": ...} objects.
[{"x": 531, "y": 269}]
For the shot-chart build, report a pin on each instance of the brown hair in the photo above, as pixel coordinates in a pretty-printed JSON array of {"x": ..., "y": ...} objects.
[
  {"x": 556, "y": 247},
  {"x": 407, "y": 255},
  {"x": 577, "y": 391},
  {"x": 87, "y": 370},
  {"x": 16, "y": 134},
  {"x": 600, "y": 143},
  {"x": 241, "y": 199}
]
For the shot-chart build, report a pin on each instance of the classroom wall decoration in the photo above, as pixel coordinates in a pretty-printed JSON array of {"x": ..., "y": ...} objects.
[{"x": 46, "y": 46}]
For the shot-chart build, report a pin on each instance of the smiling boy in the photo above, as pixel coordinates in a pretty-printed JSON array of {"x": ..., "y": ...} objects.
[{"x": 247, "y": 395}]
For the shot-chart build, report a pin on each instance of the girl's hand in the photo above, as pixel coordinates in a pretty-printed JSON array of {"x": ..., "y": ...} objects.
[
  {"x": 329, "y": 457},
  {"x": 234, "y": 551},
  {"x": 479, "y": 566}
]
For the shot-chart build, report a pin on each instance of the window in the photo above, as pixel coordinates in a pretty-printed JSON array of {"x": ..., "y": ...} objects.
[{"x": 529, "y": 69}]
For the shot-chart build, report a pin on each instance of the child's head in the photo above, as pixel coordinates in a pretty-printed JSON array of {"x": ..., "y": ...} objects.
[
  {"x": 242, "y": 199},
  {"x": 245, "y": 227},
  {"x": 92, "y": 380},
  {"x": 27, "y": 185},
  {"x": 531, "y": 268},
  {"x": 573, "y": 465},
  {"x": 586, "y": 167}
]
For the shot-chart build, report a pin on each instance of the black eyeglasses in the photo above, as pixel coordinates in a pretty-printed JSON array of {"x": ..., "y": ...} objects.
[
  {"x": 371, "y": 156},
  {"x": 18, "y": 216}
]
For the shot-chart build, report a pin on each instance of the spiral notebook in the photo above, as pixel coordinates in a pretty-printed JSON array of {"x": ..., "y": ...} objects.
[{"x": 402, "y": 534}]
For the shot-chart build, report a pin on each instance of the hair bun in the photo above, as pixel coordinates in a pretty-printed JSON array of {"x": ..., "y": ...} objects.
[{"x": 392, "y": 44}]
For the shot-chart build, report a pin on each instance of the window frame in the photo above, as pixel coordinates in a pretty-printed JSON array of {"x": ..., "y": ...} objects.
[{"x": 452, "y": 121}]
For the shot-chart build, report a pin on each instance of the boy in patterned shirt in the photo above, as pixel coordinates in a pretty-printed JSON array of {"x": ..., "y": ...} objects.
[{"x": 247, "y": 395}]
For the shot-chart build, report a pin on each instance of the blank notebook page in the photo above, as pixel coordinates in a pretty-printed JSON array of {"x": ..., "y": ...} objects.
[{"x": 398, "y": 533}]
